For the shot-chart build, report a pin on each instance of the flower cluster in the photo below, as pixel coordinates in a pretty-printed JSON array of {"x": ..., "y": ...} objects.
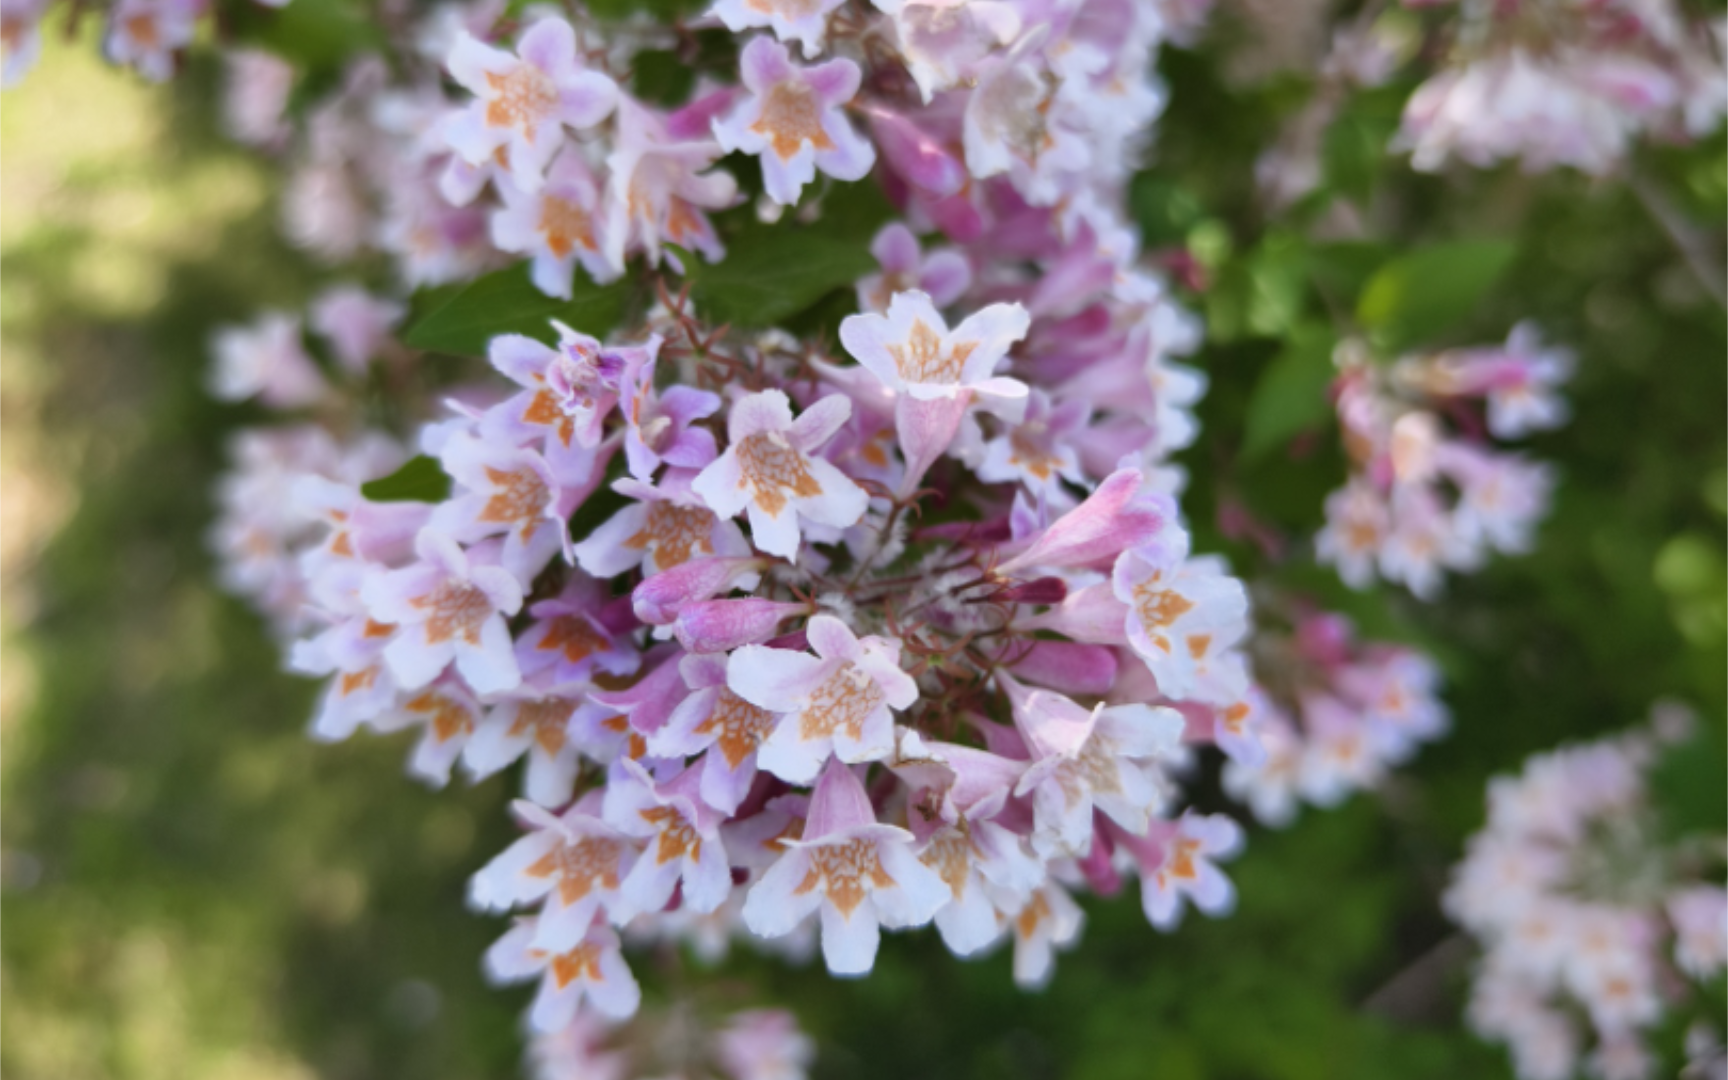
[
  {"x": 1424, "y": 497},
  {"x": 1334, "y": 715},
  {"x": 1594, "y": 922},
  {"x": 1553, "y": 83},
  {"x": 902, "y": 635}
]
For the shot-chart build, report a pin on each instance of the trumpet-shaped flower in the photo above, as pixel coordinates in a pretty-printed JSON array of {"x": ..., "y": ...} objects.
[
  {"x": 860, "y": 876},
  {"x": 591, "y": 970},
  {"x": 835, "y": 702},
  {"x": 524, "y": 101},
  {"x": 447, "y": 607},
  {"x": 573, "y": 863},
  {"x": 792, "y": 120},
  {"x": 770, "y": 471},
  {"x": 717, "y": 723},
  {"x": 682, "y": 832},
  {"x": 1175, "y": 861}
]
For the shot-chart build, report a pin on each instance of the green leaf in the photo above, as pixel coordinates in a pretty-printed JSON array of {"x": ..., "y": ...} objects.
[
  {"x": 317, "y": 34},
  {"x": 1290, "y": 396},
  {"x": 1688, "y": 781},
  {"x": 1418, "y": 296},
  {"x": 421, "y": 479},
  {"x": 770, "y": 275},
  {"x": 506, "y": 302}
]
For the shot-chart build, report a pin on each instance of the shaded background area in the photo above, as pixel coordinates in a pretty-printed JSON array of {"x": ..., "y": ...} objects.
[{"x": 193, "y": 889}]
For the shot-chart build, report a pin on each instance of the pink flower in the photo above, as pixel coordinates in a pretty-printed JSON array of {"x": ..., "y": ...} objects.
[
  {"x": 533, "y": 721},
  {"x": 1047, "y": 920},
  {"x": 355, "y": 323},
  {"x": 1180, "y": 611},
  {"x": 836, "y": 702},
  {"x": 447, "y": 607},
  {"x": 1038, "y": 452},
  {"x": 573, "y": 863},
  {"x": 591, "y": 970},
  {"x": 660, "y": 425},
  {"x": 1104, "y": 758},
  {"x": 558, "y": 225},
  {"x": 569, "y": 390},
  {"x": 717, "y": 626},
  {"x": 859, "y": 874},
  {"x": 1117, "y": 516},
  {"x": 1175, "y": 861},
  {"x": 508, "y": 492},
  {"x": 145, "y": 34},
  {"x": 575, "y": 634},
  {"x": 525, "y": 101},
  {"x": 682, "y": 833},
  {"x": 20, "y": 39},
  {"x": 658, "y": 191},
  {"x": 716, "y": 722},
  {"x": 914, "y": 353},
  {"x": 668, "y": 526},
  {"x": 943, "y": 275},
  {"x": 266, "y": 360},
  {"x": 803, "y": 21},
  {"x": 764, "y": 1044},
  {"x": 792, "y": 120},
  {"x": 770, "y": 471}
]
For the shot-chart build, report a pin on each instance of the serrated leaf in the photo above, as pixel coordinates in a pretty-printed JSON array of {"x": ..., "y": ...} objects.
[
  {"x": 1291, "y": 394},
  {"x": 420, "y": 479},
  {"x": 506, "y": 302},
  {"x": 1416, "y": 297},
  {"x": 770, "y": 275}
]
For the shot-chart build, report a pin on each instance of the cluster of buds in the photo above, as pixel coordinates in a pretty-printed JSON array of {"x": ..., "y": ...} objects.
[
  {"x": 1595, "y": 924},
  {"x": 1553, "y": 83},
  {"x": 1425, "y": 496},
  {"x": 1334, "y": 715}
]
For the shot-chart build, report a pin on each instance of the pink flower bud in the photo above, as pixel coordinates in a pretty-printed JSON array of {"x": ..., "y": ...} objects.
[
  {"x": 1044, "y": 590},
  {"x": 712, "y": 626},
  {"x": 1113, "y": 519},
  {"x": 915, "y": 154},
  {"x": 1068, "y": 666},
  {"x": 658, "y": 599}
]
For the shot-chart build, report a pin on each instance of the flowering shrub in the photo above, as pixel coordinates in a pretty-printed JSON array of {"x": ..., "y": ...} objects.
[{"x": 816, "y": 541}]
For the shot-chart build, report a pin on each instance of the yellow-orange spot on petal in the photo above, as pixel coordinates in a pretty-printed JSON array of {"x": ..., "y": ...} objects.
[
  {"x": 520, "y": 99},
  {"x": 1198, "y": 644},
  {"x": 1180, "y": 864},
  {"x": 791, "y": 116},
  {"x": 672, "y": 533},
  {"x": 342, "y": 544},
  {"x": 547, "y": 720},
  {"x": 949, "y": 854},
  {"x": 845, "y": 873},
  {"x": 141, "y": 27},
  {"x": 446, "y": 717},
  {"x": 678, "y": 837},
  {"x": 636, "y": 746},
  {"x": 924, "y": 359},
  {"x": 519, "y": 498},
  {"x": 376, "y": 629},
  {"x": 456, "y": 608},
  {"x": 575, "y": 637},
  {"x": 771, "y": 466},
  {"x": 842, "y": 703},
  {"x": 1093, "y": 771},
  {"x": 352, "y": 681},
  {"x": 1031, "y": 454},
  {"x": 578, "y": 865},
  {"x": 1235, "y": 717},
  {"x": 1159, "y": 607},
  {"x": 618, "y": 723},
  {"x": 566, "y": 226},
  {"x": 1035, "y": 911},
  {"x": 740, "y": 726},
  {"x": 582, "y": 962}
]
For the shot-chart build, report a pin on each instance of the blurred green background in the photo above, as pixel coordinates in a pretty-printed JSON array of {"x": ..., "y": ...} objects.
[{"x": 192, "y": 889}]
